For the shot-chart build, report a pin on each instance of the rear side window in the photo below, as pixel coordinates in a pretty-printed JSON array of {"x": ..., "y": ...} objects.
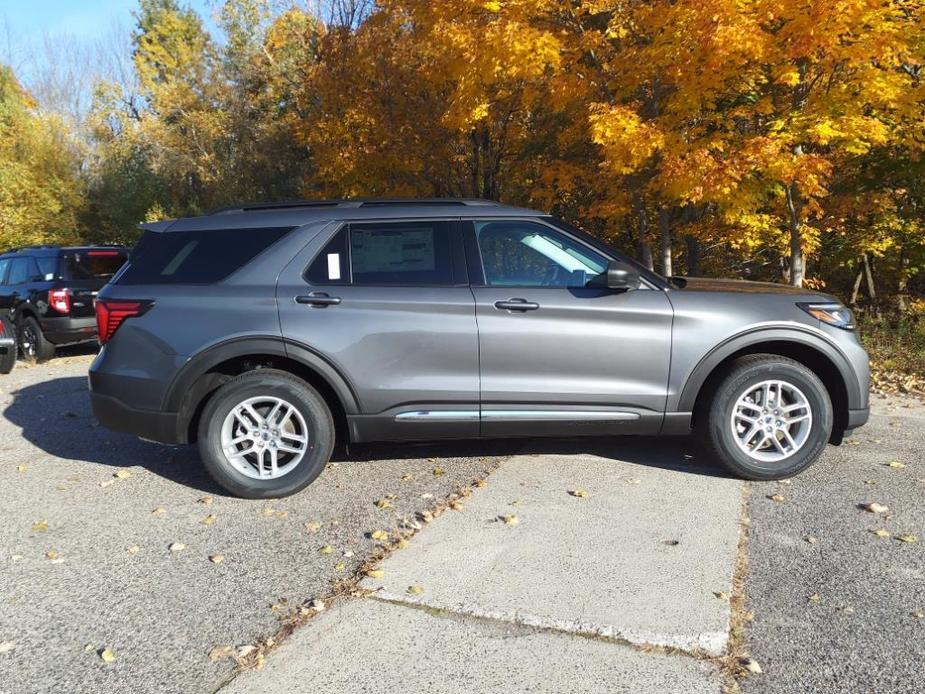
[
  {"x": 4, "y": 266},
  {"x": 195, "y": 257},
  {"x": 387, "y": 253},
  {"x": 48, "y": 266},
  {"x": 92, "y": 264}
]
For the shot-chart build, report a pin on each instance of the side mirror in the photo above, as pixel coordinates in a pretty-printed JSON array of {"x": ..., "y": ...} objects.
[{"x": 620, "y": 276}]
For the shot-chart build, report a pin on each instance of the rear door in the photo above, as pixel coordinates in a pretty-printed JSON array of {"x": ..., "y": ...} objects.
[
  {"x": 387, "y": 303},
  {"x": 560, "y": 356},
  {"x": 84, "y": 272}
]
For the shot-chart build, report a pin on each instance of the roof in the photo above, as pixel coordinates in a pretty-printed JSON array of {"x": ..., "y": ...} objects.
[{"x": 288, "y": 214}]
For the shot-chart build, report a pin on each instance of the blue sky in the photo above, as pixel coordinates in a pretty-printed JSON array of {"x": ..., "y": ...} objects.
[{"x": 28, "y": 20}]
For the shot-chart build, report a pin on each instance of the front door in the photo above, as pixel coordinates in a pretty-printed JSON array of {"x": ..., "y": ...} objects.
[
  {"x": 559, "y": 356},
  {"x": 388, "y": 305}
]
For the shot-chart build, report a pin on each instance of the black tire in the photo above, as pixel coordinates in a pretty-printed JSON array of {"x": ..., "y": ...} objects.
[
  {"x": 268, "y": 383},
  {"x": 716, "y": 428},
  {"x": 31, "y": 340}
]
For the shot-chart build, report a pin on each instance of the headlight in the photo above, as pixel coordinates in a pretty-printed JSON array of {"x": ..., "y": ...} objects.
[{"x": 833, "y": 314}]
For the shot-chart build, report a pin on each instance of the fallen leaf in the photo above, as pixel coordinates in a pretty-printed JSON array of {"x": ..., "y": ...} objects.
[
  {"x": 907, "y": 538},
  {"x": 159, "y": 511},
  {"x": 106, "y": 483},
  {"x": 375, "y": 573},
  {"x": 481, "y": 483},
  {"x": 7, "y": 646},
  {"x": 107, "y": 655},
  {"x": 776, "y": 497},
  {"x": 216, "y": 558},
  {"x": 340, "y": 566},
  {"x": 918, "y": 614},
  {"x": 327, "y": 549},
  {"x": 176, "y": 547},
  {"x": 220, "y": 653},
  {"x": 810, "y": 539},
  {"x": 40, "y": 526},
  {"x": 208, "y": 520},
  {"x": 457, "y": 505},
  {"x": 20, "y": 468},
  {"x": 318, "y": 605},
  {"x": 880, "y": 532},
  {"x": 415, "y": 590},
  {"x": 402, "y": 543},
  {"x": 244, "y": 651},
  {"x": 380, "y": 536},
  {"x": 134, "y": 549},
  {"x": 122, "y": 474},
  {"x": 896, "y": 465},
  {"x": 439, "y": 471},
  {"x": 580, "y": 493},
  {"x": 207, "y": 500},
  {"x": 722, "y": 595},
  {"x": 751, "y": 666},
  {"x": 870, "y": 482},
  {"x": 313, "y": 526},
  {"x": 510, "y": 520},
  {"x": 407, "y": 478},
  {"x": 815, "y": 597},
  {"x": 51, "y": 554},
  {"x": 383, "y": 503},
  {"x": 875, "y": 508},
  {"x": 268, "y": 511}
]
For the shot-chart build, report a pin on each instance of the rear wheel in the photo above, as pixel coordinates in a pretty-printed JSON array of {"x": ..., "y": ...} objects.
[
  {"x": 770, "y": 418},
  {"x": 265, "y": 434},
  {"x": 32, "y": 343}
]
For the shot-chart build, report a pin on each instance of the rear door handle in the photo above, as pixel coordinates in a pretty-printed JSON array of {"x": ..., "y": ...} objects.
[
  {"x": 516, "y": 305},
  {"x": 318, "y": 300}
]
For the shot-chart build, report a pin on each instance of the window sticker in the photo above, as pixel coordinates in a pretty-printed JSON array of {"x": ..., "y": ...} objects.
[{"x": 333, "y": 266}]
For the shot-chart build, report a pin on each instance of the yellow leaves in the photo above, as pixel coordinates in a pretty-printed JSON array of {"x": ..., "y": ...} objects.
[
  {"x": 380, "y": 536},
  {"x": 326, "y": 549},
  {"x": 626, "y": 140},
  {"x": 216, "y": 558},
  {"x": 40, "y": 526},
  {"x": 107, "y": 656},
  {"x": 375, "y": 573}
]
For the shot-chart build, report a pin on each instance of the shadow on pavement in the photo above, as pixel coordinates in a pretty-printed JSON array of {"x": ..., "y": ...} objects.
[{"x": 55, "y": 417}]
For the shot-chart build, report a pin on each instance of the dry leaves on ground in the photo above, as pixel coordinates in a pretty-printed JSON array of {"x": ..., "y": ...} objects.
[
  {"x": 510, "y": 520},
  {"x": 107, "y": 656},
  {"x": 875, "y": 508},
  {"x": 176, "y": 547},
  {"x": 380, "y": 535},
  {"x": 375, "y": 573},
  {"x": 580, "y": 493}
]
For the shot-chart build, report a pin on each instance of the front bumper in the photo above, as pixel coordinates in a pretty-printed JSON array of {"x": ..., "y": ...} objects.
[
  {"x": 858, "y": 418},
  {"x": 112, "y": 413}
]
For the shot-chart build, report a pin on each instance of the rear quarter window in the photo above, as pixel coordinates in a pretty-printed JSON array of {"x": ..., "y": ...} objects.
[{"x": 196, "y": 257}]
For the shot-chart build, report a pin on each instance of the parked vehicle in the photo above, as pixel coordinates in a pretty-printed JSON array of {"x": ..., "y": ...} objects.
[
  {"x": 266, "y": 332},
  {"x": 49, "y": 292}
]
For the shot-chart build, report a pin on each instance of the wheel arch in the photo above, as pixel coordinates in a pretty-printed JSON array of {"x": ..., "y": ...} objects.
[
  {"x": 818, "y": 355},
  {"x": 204, "y": 373}
]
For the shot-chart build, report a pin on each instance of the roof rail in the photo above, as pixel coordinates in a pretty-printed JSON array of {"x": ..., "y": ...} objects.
[
  {"x": 355, "y": 202},
  {"x": 31, "y": 248}
]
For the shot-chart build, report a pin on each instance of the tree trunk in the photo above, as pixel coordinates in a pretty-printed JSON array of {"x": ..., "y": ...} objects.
[
  {"x": 644, "y": 251},
  {"x": 692, "y": 247},
  {"x": 796, "y": 236},
  {"x": 869, "y": 276},
  {"x": 856, "y": 288},
  {"x": 902, "y": 283},
  {"x": 664, "y": 223}
]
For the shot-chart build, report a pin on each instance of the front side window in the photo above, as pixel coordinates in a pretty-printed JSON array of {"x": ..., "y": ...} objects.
[
  {"x": 526, "y": 254},
  {"x": 386, "y": 253},
  {"x": 22, "y": 270}
]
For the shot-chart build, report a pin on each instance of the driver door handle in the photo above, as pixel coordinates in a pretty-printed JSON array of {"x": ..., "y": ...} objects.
[
  {"x": 516, "y": 305},
  {"x": 318, "y": 300}
]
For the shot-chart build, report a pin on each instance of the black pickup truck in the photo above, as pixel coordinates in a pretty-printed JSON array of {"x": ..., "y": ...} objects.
[{"x": 48, "y": 293}]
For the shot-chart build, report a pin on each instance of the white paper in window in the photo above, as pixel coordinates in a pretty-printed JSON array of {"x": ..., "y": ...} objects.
[{"x": 333, "y": 266}]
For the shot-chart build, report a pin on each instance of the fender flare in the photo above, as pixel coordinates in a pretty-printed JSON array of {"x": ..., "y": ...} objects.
[
  {"x": 181, "y": 389},
  {"x": 792, "y": 334}
]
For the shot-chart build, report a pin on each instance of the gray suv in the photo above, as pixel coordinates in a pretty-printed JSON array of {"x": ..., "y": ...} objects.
[{"x": 267, "y": 332}]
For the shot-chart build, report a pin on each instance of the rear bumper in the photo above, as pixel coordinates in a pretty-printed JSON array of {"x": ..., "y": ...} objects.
[
  {"x": 114, "y": 414},
  {"x": 63, "y": 330}
]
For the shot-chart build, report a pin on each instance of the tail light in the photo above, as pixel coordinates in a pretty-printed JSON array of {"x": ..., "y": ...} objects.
[
  {"x": 110, "y": 314},
  {"x": 60, "y": 300}
]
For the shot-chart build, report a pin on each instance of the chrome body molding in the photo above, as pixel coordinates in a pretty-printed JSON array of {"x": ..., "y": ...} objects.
[{"x": 516, "y": 415}]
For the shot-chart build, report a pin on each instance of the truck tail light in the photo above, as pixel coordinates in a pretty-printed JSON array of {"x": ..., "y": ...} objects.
[
  {"x": 60, "y": 300},
  {"x": 110, "y": 314}
]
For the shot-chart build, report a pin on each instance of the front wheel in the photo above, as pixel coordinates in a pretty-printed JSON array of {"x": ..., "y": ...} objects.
[
  {"x": 265, "y": 434},
  {"x": 770, "y": 418}
]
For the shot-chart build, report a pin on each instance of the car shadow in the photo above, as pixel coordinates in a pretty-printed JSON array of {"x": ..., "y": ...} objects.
[{"x": 55, "y": 417}]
